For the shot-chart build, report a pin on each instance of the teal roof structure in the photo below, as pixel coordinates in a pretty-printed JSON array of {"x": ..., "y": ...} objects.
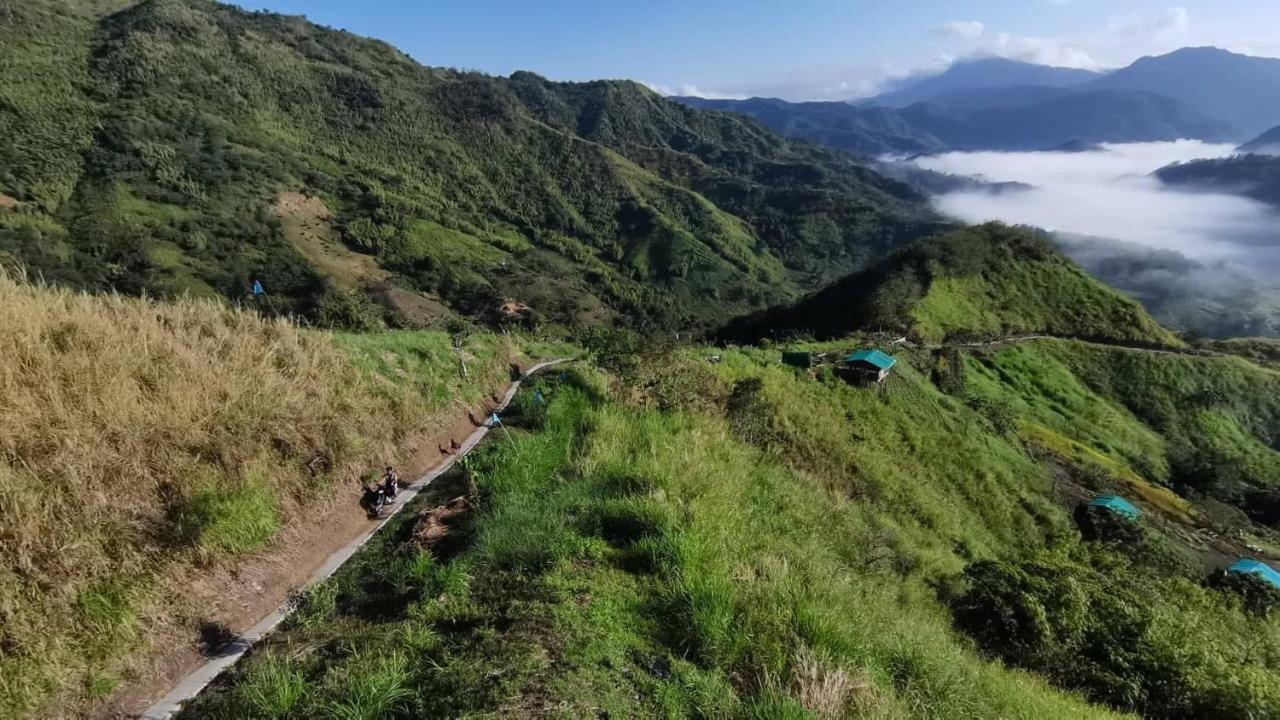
[
  {"x": 1117, "y": 505},
  {"x": 1258, "y": 569},
  {"x": 881, "y": 360}
]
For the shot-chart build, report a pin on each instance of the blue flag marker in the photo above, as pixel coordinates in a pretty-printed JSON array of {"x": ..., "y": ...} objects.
[
  {"x": 257, "y": 288},
  {"x": 537, "y": 397},
  {"x": 494, "y": 420}
]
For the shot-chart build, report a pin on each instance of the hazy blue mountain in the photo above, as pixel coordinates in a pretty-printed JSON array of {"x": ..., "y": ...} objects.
[
  {"x": 996, "y": 97},
  {"x": 1015, "y": 118},
  {"x": 1242, "y": 90},
  {"x": 1268, "y": 143},
  {"x": 983, "y": 73},
  {"x": 1074, "y": 117},
  {"x": 864, "y": 130}
]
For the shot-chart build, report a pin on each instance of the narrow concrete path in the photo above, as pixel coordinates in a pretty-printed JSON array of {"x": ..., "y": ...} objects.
[{"x": 199, "y": 679}]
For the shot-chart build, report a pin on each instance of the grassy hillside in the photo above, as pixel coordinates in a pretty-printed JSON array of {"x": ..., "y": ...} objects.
[
  {"x": 146, "y": 147},
  {"x": 742, "y": 540},
  {"x": 982, "y": 282},
  {"x": 144, "y": 444},
  {"x": 1206, "y": 427}
]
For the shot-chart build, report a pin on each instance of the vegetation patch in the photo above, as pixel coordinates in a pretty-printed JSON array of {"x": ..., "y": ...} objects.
[{"x": 230, "y": 520}]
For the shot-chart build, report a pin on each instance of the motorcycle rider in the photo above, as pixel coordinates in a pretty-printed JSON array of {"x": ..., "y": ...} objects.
[{"x": 390, "y": 483}]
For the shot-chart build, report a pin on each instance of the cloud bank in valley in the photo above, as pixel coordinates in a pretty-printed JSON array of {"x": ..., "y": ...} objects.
[{"x": 1109, "y": 192}]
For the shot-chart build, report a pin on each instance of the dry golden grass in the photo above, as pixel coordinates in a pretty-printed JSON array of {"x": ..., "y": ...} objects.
[{"x": 137, "y": 434}]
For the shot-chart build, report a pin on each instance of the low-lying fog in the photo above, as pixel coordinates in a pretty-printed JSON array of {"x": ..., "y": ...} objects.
[
  {"x": 1200, "y": 261},
  {"x": 1110, "y": 193}
]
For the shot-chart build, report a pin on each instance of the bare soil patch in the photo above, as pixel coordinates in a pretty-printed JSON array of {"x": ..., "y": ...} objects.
[{"x": 308, "y": 225}]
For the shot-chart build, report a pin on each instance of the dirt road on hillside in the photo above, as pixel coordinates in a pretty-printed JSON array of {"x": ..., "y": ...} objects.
[{"x": 250, "y": 600}]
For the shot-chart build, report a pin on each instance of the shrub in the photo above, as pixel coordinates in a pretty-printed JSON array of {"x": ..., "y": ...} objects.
[{"x": 1256, "y": 595}]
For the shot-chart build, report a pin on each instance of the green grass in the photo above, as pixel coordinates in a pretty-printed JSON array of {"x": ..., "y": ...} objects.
[
  {"x": 642, "y": 563},
  {"x": 271, "y": 690},
  {"x": 231, "y": 520},
  {"x": 1201, "y": 425}
]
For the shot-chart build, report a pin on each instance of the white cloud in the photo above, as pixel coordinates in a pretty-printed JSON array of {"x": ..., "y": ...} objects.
[
  {"x": 967, "y": 29},
  {"x": 1110, "y": 193},
  {"x": 1174, "y": 21},
  {"x": 1040, "y": 50},
  {"x": 692, "y": 90}
]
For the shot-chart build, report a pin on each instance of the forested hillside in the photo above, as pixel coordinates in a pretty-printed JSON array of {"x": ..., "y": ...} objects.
[
  {"x": 1253, "y": 175},
  {"x": 145, "y": 148},
  {"x": 982, "y": 282}
]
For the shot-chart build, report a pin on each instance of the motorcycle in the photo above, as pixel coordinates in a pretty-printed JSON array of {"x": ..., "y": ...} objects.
[{"x": 377, "y": 500}]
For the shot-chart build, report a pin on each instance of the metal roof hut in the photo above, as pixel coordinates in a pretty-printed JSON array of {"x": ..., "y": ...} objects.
[
  {"x": 1117, "y": 505},
  {"x": 867, "y": 366},
  {"x": 1258, "y": 569}
]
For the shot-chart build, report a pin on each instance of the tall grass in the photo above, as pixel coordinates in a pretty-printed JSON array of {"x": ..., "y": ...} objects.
[{"x": 136, "y": 436}]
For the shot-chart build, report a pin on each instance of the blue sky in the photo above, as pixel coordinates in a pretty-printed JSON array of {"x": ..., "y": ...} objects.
[{"x": 802, "y": 49}]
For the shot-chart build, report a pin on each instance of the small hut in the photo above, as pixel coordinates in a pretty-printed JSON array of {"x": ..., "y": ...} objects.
[
  {"x": 1258, "y": 569},
  {"x": 1116, "y": 505},
  {"x": 867, "y": 366}
]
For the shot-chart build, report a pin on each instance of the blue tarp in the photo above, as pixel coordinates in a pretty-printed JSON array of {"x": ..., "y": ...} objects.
[
  {"x": 881, "y": 360},
  {"x": 1258, "y": 569},
  {"x": 1117, "y": 505}
]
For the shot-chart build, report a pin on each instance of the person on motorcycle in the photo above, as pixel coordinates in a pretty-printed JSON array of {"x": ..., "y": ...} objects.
[{"x": 390, "y": 483}]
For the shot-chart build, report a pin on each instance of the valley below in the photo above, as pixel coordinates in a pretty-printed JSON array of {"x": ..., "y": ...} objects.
[{"x": 1204, "y": 262}]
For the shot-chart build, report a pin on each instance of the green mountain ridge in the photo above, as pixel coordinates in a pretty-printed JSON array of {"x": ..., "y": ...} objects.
[
  {"x": 983, "y": 282},
  {"x": 145, "y": 152}
]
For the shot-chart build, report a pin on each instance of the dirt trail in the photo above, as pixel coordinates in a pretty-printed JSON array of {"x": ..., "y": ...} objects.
[{"x": 247, "y": 601}]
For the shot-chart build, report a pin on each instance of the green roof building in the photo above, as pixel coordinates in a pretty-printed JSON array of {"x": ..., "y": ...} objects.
[{"x": 868, "y": 365}]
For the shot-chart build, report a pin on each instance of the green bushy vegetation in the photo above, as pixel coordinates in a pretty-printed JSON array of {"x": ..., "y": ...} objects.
[
  {"x": 146, "y": 144},
  {"x": 976, "y": 283}
]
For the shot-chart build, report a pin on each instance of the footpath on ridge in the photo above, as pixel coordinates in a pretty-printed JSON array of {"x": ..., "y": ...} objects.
[{"x": 195, "y": 681}]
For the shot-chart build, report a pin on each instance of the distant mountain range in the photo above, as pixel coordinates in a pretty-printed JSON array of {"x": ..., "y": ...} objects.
[
  {"x": 981, "y": 74},
  {"x": 1268, "y": 143},
  {"x": 996, "y": 104}
]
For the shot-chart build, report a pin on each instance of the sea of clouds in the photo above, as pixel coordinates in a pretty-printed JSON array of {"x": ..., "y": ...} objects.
[{"x": 1109, "y": 192}]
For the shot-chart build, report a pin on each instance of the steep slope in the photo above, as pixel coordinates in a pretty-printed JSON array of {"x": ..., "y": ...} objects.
[
  {"x": 181, "y": 123},
  {"x": 981, "y": 282},
  {"x": 1268, "y": 143},
  {"x": 1241, "y": 90},
  {"x": 983, "y": 73},
  {"x": 1203, "y": 426},
  {"x": 865, "y": 130}
]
